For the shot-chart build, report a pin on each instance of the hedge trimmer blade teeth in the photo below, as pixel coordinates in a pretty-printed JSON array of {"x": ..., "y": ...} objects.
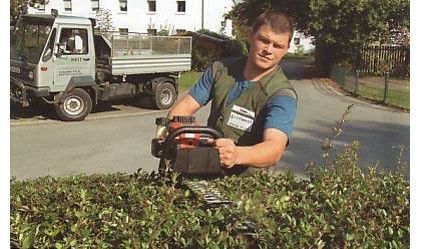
[
  {"x": 208, "y": 193},
  {"x": 205, "y": 191}
]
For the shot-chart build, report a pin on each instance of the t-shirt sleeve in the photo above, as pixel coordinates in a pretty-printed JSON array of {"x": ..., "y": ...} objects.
[
  {"x": 281, "y": 111},
  {"x": 201, "y": 91}
]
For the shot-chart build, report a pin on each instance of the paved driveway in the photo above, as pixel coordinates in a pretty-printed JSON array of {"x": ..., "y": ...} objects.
[{"x": 379, "y": 129}]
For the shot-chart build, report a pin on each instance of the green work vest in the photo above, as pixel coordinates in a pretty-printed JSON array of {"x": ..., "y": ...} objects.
[{"x": 243, "y": 120}]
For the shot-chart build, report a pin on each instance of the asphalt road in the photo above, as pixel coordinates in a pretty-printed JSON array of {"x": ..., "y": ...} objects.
[{"x": 117, "y": 137}]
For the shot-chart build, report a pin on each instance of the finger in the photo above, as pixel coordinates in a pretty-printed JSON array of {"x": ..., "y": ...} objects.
[
  {"x": 221, "y": 142},
  {"x": 211, "y": 141},
  {"x": 229, "y": 166}
]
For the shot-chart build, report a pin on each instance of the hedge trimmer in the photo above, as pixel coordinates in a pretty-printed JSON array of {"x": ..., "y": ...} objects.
[{"x": 183, "y": 147}]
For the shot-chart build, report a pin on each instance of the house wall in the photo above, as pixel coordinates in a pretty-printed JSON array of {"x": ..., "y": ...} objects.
[
  {"x": 138, "y": 19},
  {"x": 305, "y": 41}
]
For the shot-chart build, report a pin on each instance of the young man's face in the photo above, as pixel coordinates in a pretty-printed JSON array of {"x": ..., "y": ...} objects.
[{"x": 267, "y": 48}]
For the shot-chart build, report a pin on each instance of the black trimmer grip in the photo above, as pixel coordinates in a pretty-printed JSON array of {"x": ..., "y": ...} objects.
[
  {"x": 201, "y": 161},
  {"x": 187, "y": 129}
]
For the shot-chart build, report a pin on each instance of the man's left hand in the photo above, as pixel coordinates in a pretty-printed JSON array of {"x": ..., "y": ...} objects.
[{"x": 228, "y": 152}]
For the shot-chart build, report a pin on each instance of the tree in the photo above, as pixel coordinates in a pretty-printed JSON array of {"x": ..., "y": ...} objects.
[
  {"x": 246, "y": 12},
  {"x": 344, "y": 25},
  {"x": 104, "y": 20},
  {"x": 339, "y": 26},
  {"x": 16, "y": 8}
]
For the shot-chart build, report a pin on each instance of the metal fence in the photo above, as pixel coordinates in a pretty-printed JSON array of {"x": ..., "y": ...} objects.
[
  {"x": 143, "y": 44},
  {"x": 376, "y": 60},
  {"x": 384, "y": 88}
]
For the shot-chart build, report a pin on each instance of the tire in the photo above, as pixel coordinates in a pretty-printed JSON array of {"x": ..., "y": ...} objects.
[
  {"x": 75, "y": 107},
  {"x": 165, "y": 95}
]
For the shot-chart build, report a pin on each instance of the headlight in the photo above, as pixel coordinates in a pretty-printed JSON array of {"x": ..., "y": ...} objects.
[{"x": 31, "y": 75}]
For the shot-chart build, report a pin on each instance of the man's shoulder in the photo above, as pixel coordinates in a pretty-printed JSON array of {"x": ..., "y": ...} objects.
[
  {"x": 231, "y": 65},
  {"x": 229, "y": 62}
]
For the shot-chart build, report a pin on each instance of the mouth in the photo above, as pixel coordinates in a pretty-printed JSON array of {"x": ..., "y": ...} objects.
[{"x": 265, "y": 57}]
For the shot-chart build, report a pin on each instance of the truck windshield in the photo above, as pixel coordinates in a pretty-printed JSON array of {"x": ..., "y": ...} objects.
[{"x": 29, "y": 37}]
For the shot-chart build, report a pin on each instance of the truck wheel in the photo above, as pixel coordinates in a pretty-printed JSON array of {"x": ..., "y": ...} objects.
[
  {"x": 75, "y": 107},
  {"x": 165, "y": 95}
]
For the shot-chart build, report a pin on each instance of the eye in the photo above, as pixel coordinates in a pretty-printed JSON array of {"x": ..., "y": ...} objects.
[
  {"x": 278, "y": 46},
  {"x": 264, "y": 40}
]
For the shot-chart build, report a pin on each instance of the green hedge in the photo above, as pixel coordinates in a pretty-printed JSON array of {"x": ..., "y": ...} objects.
[
  {"x": 204, "y": 53},
  {"x": 338, "y": 206}
]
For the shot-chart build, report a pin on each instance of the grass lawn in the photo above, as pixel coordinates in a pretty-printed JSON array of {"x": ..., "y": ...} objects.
[
  {"x": 395, "y": 97},
  {"x": 188, "y": 79}
]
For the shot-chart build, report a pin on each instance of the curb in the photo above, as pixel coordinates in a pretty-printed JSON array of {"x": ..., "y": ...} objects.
[
  {"x": 357, "y": 99},
  {"x": 89, "y": 118}
]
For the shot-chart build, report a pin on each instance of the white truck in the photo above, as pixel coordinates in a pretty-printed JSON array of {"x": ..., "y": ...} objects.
[{"x": 61, "y": 60}]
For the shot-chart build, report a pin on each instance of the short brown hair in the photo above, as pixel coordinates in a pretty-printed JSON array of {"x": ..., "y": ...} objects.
[{"x": 277, "y": 20}]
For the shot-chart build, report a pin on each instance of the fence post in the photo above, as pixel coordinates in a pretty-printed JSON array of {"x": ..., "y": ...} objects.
[
  {"x": 386, "y": 86},
  {"x": 112, "y": 44},
  {"x": 357, "y": 78},
  {"x": 178, "y": 45}
]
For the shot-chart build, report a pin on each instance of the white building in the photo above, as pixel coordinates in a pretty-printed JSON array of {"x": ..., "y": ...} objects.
[
  {"x": 300, "y": 41},
  {"x": 141, "y": 15}
]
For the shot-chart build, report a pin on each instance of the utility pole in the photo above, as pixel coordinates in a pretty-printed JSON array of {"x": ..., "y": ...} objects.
[{"x": 203, "y": 14}]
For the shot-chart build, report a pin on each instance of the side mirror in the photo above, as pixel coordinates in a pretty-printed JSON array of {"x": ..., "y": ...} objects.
[{"x": 47, "y": 55}]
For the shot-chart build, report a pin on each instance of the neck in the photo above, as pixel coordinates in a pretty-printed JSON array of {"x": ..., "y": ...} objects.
[{"x": 253, "y": 73}]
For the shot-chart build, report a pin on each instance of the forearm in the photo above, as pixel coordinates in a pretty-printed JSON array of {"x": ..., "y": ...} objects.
[
  {"x": 261, "y": 155},
  {"x": 186, "y": 107},
  {"x": 178, "y": 111}
]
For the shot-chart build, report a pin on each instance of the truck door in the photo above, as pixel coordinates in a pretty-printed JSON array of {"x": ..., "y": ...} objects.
[
  {"x": 76, "y": 56},
  {"x": 46, "y": 73}
]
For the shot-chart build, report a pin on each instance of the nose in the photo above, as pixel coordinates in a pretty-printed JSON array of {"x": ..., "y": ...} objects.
[{"x": 269, "y": 48}]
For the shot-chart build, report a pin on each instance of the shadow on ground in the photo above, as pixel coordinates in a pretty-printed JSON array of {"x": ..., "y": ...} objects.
[
  {"x": 44, "y": 111},
  {"x": 300, "y": 68},
  {"x": 40, "y": 112}
]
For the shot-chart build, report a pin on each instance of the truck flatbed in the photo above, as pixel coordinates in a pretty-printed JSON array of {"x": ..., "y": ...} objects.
[{"x": 136, "y": 53}]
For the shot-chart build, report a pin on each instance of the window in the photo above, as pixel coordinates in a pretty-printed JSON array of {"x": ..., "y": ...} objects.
[
  {"x": 41, "y": 7},
  {"x": 151, "y": 6},
  {"x": 152, "y": 31},
  {"x": 48, "y": 53},
  {"x": 67, "y": 5},
  {"x": 74, "y": 41},
  {"x": 123, "y": 31},
  {"x": 180, "y": 31},
  {"x": 123, "y": 5},
  {"x": 296, "y": 41},
  {"x": 95, "y": 5},
  {"x": 181, "y": 6}
]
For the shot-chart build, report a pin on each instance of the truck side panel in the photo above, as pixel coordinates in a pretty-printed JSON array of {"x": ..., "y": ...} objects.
[{"x": 144, "y": 64}]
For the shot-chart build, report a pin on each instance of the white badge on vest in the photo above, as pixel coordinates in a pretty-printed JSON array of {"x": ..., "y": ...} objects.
[{"x": 241, "y": 118}]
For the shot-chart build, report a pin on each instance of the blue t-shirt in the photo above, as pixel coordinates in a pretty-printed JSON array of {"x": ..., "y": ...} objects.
[{"x": 281, "y": 110}]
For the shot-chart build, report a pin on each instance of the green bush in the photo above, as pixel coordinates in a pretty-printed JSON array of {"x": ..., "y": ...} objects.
[
  {"x": 206, "y": 52},
  {"x": 338, "y": 206}
]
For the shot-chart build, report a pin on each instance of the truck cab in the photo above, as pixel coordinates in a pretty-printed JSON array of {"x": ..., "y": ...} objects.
[{"x": 62, "y": 61}]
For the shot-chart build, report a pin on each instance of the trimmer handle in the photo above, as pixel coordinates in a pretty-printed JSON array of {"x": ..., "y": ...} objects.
[{"x": 187, "y": 129}]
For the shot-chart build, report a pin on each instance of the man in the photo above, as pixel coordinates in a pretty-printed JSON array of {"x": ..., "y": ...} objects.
[
  {"x": 78, "y": 42},
  {"x": 72, "y": 40},
  {"x": 253, "y": 104}
]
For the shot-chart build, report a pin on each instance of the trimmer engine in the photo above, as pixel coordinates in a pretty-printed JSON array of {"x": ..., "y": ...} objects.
[{"x": 184, "y": 147}]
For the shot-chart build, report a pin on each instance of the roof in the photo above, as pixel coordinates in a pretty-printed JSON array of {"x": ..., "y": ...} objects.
[
  {"x": 73, "y": 19},
  {"x": 62, "y": 19}
]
